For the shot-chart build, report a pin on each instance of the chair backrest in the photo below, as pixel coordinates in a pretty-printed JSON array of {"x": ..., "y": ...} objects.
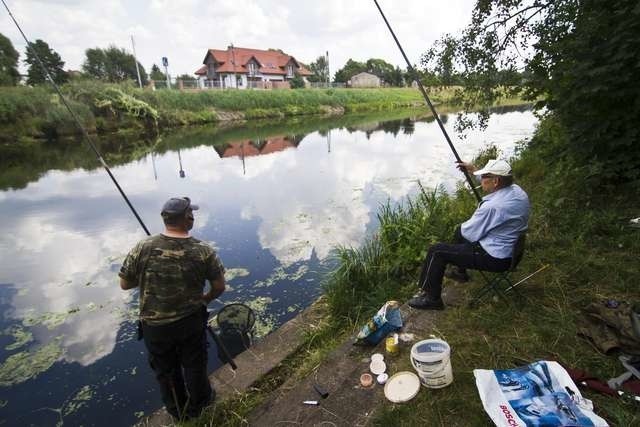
[{"x": 518, "y": 251}]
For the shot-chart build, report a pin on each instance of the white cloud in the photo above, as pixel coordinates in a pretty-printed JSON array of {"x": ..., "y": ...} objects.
[{"x": 184, "y": 30}]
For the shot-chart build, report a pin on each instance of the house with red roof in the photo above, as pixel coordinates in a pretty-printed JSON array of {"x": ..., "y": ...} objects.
[{"x": 239, "y": 67}]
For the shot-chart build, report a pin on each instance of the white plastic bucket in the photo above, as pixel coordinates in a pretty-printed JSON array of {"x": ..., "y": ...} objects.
[{"x": 431, "y": 360}]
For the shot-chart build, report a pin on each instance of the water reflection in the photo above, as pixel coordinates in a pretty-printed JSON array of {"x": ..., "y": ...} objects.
[{"x": 274, "y": 200}]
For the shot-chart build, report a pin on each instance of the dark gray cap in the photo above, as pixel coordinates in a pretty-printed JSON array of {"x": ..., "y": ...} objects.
[{"x": 177, "y": 206}]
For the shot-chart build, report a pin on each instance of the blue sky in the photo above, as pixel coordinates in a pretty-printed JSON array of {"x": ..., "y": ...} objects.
[{"x": 183, "y": 30}]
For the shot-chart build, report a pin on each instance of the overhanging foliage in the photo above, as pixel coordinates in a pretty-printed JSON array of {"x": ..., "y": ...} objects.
[{"x": 579, "y": 59}]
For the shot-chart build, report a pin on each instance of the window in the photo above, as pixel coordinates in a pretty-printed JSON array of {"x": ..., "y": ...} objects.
[
  {"x": 289, "y": 70},
  {"x": 252, "y": 68}
]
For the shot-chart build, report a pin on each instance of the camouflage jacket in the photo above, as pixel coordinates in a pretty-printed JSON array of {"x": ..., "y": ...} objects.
[{"x": 170, "y": 273}]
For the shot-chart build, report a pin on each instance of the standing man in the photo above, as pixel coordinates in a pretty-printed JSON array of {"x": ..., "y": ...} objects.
[
  {"x": 170, "y": 269},
  {"x": 484, "y": 242}
]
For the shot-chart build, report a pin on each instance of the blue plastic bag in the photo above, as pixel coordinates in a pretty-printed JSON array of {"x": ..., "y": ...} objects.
[{"x": 387, "y": 320}]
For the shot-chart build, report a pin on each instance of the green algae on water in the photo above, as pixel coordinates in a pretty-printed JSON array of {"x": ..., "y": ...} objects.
[
  {"x": 25, "y": 365},
  {"x": 232, "y": 273},
  {"x": 264, "y": 324},
  {"x": 78, "y": 401},
  {"x": 20, "y": 335},
  {"x": 280, "y": 274},
  {"x": 49, "y": 319}
]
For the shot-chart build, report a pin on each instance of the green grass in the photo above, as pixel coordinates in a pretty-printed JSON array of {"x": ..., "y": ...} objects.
[
  {"x": 37, "y": 112},
  {"x": 27, "y": 113},
  {"x": 593, "y": 255}
]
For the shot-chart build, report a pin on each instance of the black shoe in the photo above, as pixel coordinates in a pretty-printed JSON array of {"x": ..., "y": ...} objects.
[
  {"x": 423, "y": 302},
  {"x": 457, "y": 275}
]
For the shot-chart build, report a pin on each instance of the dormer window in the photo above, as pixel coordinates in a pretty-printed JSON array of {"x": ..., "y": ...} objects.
[
  {"x": 253, "y": 69},
  {"x": 289, "y": 70}
]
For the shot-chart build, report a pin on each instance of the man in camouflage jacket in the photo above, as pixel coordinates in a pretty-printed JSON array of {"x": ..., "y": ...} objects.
[{"x": 170, "y": 270}]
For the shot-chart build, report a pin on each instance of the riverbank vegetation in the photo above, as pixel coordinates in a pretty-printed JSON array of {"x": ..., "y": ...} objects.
[
  {"x": 103, "y": 108},
  {"x": 28, "y": 113}
]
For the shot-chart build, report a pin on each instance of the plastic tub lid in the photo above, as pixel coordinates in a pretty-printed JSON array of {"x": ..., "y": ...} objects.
[
  {"x": 402, "y": 387},
  {"x": 377, "y": 367},
  {"x": 377, "y": 356}
]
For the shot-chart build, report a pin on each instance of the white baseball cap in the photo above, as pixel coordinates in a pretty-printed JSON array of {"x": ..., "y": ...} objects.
[{"x": 495, "y": 167}]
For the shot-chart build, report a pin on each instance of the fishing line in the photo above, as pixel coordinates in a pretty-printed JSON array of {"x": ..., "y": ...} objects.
[
  {"x": 77, "y": 121},
  {"x": 428, "y": 101}
]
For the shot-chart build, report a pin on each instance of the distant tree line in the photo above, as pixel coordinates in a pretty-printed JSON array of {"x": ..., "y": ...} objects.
[
  {"x": 112, "y": 65},
  {"x": 437, "y": 70}
]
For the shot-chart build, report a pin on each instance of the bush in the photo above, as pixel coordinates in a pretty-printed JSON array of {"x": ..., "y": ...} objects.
[{"x": 297, "y": 82}]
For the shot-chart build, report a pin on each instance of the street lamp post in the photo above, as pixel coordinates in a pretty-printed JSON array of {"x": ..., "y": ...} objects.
[
  {"x": 328, "y": 73},
  {"x": 165, "y": 63}
]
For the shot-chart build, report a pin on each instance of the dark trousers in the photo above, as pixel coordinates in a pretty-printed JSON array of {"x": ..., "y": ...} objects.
[
  {"x": 178, "y": 356},
  {"x": 461, "y": 253}
]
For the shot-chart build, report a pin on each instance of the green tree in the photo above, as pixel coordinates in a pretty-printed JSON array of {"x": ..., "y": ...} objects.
[
  {"x": 440, "y": 60},
  {"x": 320, "y": 70},
  {"x": 9, "y": 75},
  {"x": 380, "y": 68},
  {"x": 350, "y": 69},
  {"x": 112, "y": 64},
  {"x": 156, "y": 74},
  {"x": 51, "y": 61},
  {"x": 186, "y": 78},
  {"x": 297, "y": 82},
  {"x": 580, "y": 58},
  {"x": 396, "y": 77}
]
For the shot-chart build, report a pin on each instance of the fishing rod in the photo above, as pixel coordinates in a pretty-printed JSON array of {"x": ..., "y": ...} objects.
[
  {"x": 428, "y": 101},
  {"x": 97, "y": 153},
  {"x": 77, "y": 121},
  {"x": 216, "y": 339}
]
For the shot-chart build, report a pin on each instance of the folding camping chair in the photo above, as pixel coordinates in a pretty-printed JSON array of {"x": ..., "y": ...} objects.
[{"x": 499, "y": 284}]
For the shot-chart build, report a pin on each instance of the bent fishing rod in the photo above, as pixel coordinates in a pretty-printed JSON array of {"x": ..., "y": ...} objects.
[
  {"x": 428, "y": 101},
  {"x": 87, "y": 138}
]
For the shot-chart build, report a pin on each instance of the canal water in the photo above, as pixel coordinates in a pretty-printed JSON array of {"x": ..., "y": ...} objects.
[{"x": 274, "y": 198}]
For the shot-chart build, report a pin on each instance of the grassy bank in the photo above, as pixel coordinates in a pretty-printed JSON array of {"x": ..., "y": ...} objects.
[
  {"x": 27, "y": 113},
  {"x": 585, "y": 238}
]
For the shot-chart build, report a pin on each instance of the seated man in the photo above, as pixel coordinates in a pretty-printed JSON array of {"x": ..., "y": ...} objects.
[{"x": 485, "y": 241}]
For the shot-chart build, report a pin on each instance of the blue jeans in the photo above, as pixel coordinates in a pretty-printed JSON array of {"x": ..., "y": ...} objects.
[{"x": 463, "y": 254}]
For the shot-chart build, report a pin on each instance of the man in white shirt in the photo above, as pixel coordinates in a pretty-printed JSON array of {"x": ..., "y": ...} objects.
[{"x": 484, "y": 242}]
